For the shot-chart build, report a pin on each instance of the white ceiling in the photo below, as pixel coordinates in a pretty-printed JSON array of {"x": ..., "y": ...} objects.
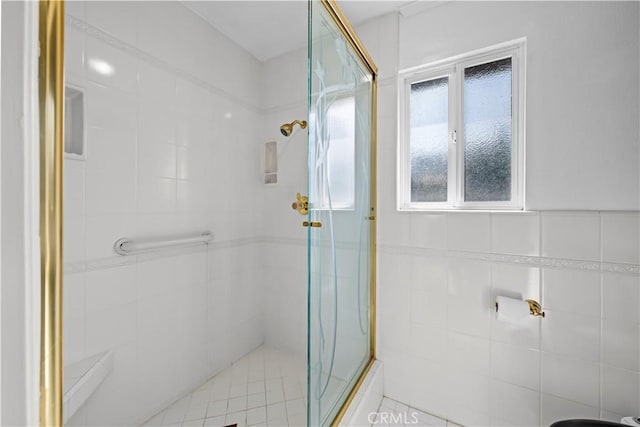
[{"x": 269, "y": 28}]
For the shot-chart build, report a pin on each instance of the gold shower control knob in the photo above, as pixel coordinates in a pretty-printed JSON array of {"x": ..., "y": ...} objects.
[{"x": 301, "y": 204}]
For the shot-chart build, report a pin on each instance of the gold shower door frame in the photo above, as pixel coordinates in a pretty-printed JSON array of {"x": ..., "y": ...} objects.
[
  {"x": 51, "y": 100},
  {"x": 356, "y": 44},
  {"x": 51, "y": 122}
]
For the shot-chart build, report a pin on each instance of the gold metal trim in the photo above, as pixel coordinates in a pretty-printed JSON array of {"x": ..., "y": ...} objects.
[
  {"x": 301, "y": 204},
  {"x": 354, "y": 41},
  {"x": 51, "y": 100},
  {"x": 535, "y": 308},
  {"x": 350, "y": 34},
  {"x": 311, "y": 224},
  {"x": 287, "y": 128}
]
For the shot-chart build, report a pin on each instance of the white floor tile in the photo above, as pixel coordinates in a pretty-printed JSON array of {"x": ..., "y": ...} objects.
[
  {"x": 239, "y": 418},
  {"x": 217, "y": 408},
  {"x": 237, "y": 404},
  {"x": 256, "y": 400},
  {"x": 394, "y": 414},
  {"x": 257, "y": 416},
  {"x": 265, "y": 387}
]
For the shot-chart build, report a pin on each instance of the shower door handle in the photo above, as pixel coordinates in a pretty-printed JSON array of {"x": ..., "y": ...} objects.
[{"x": 311, "y": 224}]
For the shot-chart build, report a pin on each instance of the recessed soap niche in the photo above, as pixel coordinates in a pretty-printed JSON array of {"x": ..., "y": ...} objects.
[
  {"x": 271, "y": 162},
  {"x": 74, "y": 132}
]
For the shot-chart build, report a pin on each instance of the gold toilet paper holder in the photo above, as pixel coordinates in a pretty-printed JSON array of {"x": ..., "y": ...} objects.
[{"x": 535, "y": 308}]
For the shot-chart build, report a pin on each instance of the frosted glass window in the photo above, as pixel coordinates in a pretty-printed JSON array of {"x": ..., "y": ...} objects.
[
  {"x": 461, "y": 144},
  {"x": 487, "y": 128},
  {"x": 428, "y": 128}
]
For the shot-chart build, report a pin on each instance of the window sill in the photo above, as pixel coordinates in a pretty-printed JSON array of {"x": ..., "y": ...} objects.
[{"x": 465, "y": 210}]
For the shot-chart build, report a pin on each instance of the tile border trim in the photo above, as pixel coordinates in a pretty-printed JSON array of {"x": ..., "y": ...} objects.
[{"x": 532, "y": 261}]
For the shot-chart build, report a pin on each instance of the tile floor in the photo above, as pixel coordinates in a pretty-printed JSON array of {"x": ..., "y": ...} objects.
[
  {"x": 267, "y": 387},
  {"x": 396, "y": 414}
]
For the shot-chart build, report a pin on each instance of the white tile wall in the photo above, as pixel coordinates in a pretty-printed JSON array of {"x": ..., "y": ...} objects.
[
  {"x": 443, "y": 350},
  {"x": 162, "y": 152},
  {"x": 162, "y": 159}
]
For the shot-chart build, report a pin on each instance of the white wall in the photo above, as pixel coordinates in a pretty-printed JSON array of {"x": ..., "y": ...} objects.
[
  {"x": 285, "y": 99},
  {"x": 581, "y": 90},
  {"x": 173, "y": 146},
  {"x": 439, "y": 273}
]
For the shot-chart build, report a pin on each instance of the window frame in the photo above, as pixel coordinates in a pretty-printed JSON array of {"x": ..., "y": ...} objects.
[{"x": 453, "y": 68}]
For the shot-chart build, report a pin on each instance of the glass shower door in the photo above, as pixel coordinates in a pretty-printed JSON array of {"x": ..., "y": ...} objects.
[{"x": 341, "y": 222}]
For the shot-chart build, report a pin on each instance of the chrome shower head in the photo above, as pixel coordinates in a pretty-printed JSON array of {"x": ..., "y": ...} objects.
[{"x": 287, "y": 128}]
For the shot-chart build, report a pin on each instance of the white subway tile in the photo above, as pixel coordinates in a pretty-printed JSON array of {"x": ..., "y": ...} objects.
[
  {"x": 110, "y": 66},
  {"x": 428, "y": 343},
  {"x": 111, "y": 328},
  {"x": 515, "y": 365},
  {"x": 74, "y": 56},
  {"x": 104, "y": 230},
  {"x": 573, "y": 335},
  {"x": 394, "y": 272},
  {"x": 157, "y": 160},
  {"x": 192, "y": 163},
  {"x": 515, "y": 234},
  {"x": 110, "y": 149},
  {"x": 513, "y": 405},
  {"x": 156, "y": 194},
  {"x": 74, "y": 235},
  {"x": 469, "y": 308},
  {"x": 428, "y": 272},
  {"x": 572, "y": 236},
  {"x": 394, "y": 228},
  {"x": 428, "y": 295},
  {"x": 621, "y": 294},
  {"x": 465, "y": 352},
  {"x": 117, "y": 19},
  {"x": 154, "y": 83},
  {"x": 620, "y": 390},
  {"x": 192, "y": 100},
  {"x": 74, "y": 318},
  {"x": 620, "y": 344},
  {"x": 621, "y": 237},
  {"x": 429, "y": 308},
  {"x": 467, "y": 390},
  {"x": 572, "y": 291},
  {"x": 108, "y": 192},
  {"x": 524, "y": 335},
  {"x": 429, "y": 230},
  {"x": 571, "y": 379},
  {"x": 110, "y": 288},
  {"x": 156, "y": 122},
  {"x": 109, "y": 108},
  {"x": 153, "y": 35},
  {"x": 469, "y": 232}
]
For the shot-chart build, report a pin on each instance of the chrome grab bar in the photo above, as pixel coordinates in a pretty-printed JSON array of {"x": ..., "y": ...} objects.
[{"x": 125, "y": 246}]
